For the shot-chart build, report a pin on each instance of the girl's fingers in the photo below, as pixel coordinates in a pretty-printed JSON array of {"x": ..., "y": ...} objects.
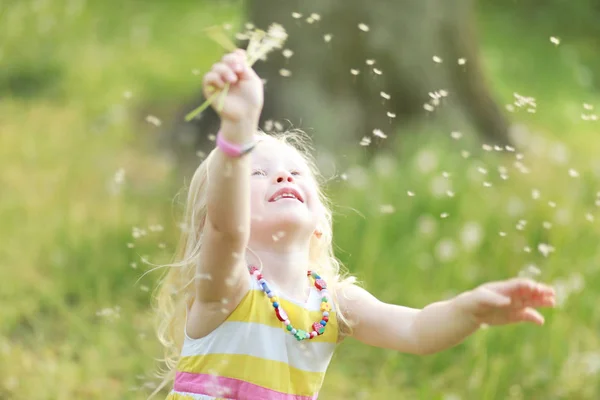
[
  {"x": 493, "y": 299},
  {"x": 529, "y": 315},
  {"x": 227, "y": 74},
  {"x": 213, "y": 79},
  {"x": 235, "y": 62}
]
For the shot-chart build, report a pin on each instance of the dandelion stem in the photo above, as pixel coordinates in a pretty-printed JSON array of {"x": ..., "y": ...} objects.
[{"x": 201, "y": 108}]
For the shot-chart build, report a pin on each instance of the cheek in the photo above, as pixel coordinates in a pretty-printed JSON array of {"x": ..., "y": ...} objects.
[{"x": 257, "y": 198}]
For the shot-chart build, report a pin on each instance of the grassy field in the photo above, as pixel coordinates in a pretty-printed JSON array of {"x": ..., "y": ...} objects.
[{"x": 85, "y": 196}]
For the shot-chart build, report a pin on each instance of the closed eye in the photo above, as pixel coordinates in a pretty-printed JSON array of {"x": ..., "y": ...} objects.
[
  {"x": 258, "y": 172},
  {"x": 295, "y": 173}
]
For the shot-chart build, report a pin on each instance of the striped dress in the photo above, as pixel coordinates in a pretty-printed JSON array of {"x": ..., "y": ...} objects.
[{"x": 251, "y": 356}]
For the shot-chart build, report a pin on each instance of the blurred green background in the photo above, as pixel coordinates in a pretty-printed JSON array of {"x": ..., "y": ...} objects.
[{"x": 89, "y": 190}]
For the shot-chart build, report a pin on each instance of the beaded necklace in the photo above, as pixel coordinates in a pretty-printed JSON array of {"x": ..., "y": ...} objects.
[{"x": 318, "y": 328}]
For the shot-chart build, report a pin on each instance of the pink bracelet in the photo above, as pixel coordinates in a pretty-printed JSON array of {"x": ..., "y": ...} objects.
[{"x": 231, "y": 149}]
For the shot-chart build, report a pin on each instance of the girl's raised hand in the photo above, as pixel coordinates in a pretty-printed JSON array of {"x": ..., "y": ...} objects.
[
  {"x": 505, "y": 302},
  {"x": 244, "y": 97}
]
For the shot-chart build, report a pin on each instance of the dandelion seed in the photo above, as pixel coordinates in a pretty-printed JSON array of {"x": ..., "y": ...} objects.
[
  {"x": 119, "y": 176},
  {"x": 510, "y": 108},
  {"x": 498, "y": 148},
  {"x": 354, "y": 72},
  {"x": 227, "y": 27},
  {"x": 462, "y": 61},
  {"x": 144, "y": 288},
  {"x": 287, "y": 53},
  {"x": 196, "y": 71},
  {"x": 527, "y": 249},
  {"x": 153, "y": 120},
  {"x": 573, "y": 173},
  {"x": 249, "y": 26},
  {"x": 444, "y": 215},
  {"x": 482, "y": 170},
  {"x": 344, "y": 177},
  {"x": 379, "y": 133},
  {"x": 445, "y": 250},
  {"x": 296, "y": 15},
  {"x": 391, "y": 115},
  {"x": 200, "y": 154},
  {"x": 365, "y": 141},
  {"x": 386, "y": 209},
  {"x": 410, "y": 194},
  {"x": 428, "y": 107},
  {"x": 487, "y": 147},
  {"x": 310, "y": 20},
  {"x": 162, "y": 246},
  {"x": 535, "y": 194},
  {"x": 327, "y": 37},
  {"x": 278, "y": 235},
  {"x": 385, "y": 95},
  {"x": 502, "y": 234},
  {"x": 435, "y": 102},
  {"x": 443, "y": 93},
  {"x": 487, "y": 184},
  {"x": 530, "y": 271},
  {"x": 531, "y": 110},
  {"x": 552, "y": 204},
  {"x": 465, "y": 154},
  {"x": 456, "y": 135},
  {"x": 377, "y": 71},
  {"x": 589, "y": 217},
  {"x": 445, "y": 174},
  {"x": 545, "y": 249},
  {"x": 285, "y": 72},
  {"x": 315, "y": 16},
  {"x": 437, "y": 59},
  {"x": 555, "y": 40},
  {"x": 547, "y": 225},
  {"x": 130, "y": 245},
  {"x": 509, "y": 148},
  {"x": 449, "y": 193},
  {"x": 363, "y": 27},
  {"x": 212, "y": 137},
  {"x": 370, "y": 62}
]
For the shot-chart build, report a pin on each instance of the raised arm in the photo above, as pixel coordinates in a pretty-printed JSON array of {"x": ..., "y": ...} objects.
[
  {"x": 444, "y": 324},
  {"x": 227, "y": 227}
]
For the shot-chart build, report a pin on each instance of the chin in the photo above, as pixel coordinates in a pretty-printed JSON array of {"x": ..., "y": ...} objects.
[{"x": 279, "y": 224}]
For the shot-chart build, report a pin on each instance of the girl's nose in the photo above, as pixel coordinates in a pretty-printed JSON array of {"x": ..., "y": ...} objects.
[{"x": 284, "y": 177}]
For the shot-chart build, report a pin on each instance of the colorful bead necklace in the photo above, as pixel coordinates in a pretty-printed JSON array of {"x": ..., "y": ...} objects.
[{"x": 318, "y": 328}]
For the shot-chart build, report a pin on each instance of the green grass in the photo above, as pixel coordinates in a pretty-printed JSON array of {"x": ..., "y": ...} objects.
[{"x": 75, "y": 322}]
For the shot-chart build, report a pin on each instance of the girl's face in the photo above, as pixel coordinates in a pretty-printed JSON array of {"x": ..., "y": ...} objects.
[{"x": 284, "y": 198}]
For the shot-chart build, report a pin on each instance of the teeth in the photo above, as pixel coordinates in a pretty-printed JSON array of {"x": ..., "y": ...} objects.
[{"x": 285, "y": 196}]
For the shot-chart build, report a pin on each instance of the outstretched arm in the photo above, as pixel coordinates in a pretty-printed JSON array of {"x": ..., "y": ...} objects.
[{"x": 444, "y": 324}]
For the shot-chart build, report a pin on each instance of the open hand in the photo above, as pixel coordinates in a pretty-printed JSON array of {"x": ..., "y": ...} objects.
[
  {"x": 506, "y": 302},
  {"x": 244, "y": 97}
]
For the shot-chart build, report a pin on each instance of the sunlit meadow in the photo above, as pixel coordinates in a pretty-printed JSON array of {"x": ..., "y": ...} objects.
[{"x": 87, "y": 196}]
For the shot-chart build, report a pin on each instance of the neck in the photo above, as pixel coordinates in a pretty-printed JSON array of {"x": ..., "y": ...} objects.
[{"x": 283, "y": 264}]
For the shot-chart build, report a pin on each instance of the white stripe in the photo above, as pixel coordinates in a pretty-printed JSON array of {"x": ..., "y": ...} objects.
[
  {"x": 195, "y": 396},
  {"x": 262, "y": 341}
]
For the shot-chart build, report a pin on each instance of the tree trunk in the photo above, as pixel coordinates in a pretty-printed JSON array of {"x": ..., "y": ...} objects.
[{"x": 323, "y": 96}]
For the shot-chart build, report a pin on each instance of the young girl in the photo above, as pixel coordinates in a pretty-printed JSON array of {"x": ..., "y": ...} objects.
[{"x": 257, "y": 303}]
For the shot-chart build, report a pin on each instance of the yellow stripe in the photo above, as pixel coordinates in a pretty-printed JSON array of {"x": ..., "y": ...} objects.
[
  {"x": 256, "y": 307},
  {"x": 269, "y": 374}
]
